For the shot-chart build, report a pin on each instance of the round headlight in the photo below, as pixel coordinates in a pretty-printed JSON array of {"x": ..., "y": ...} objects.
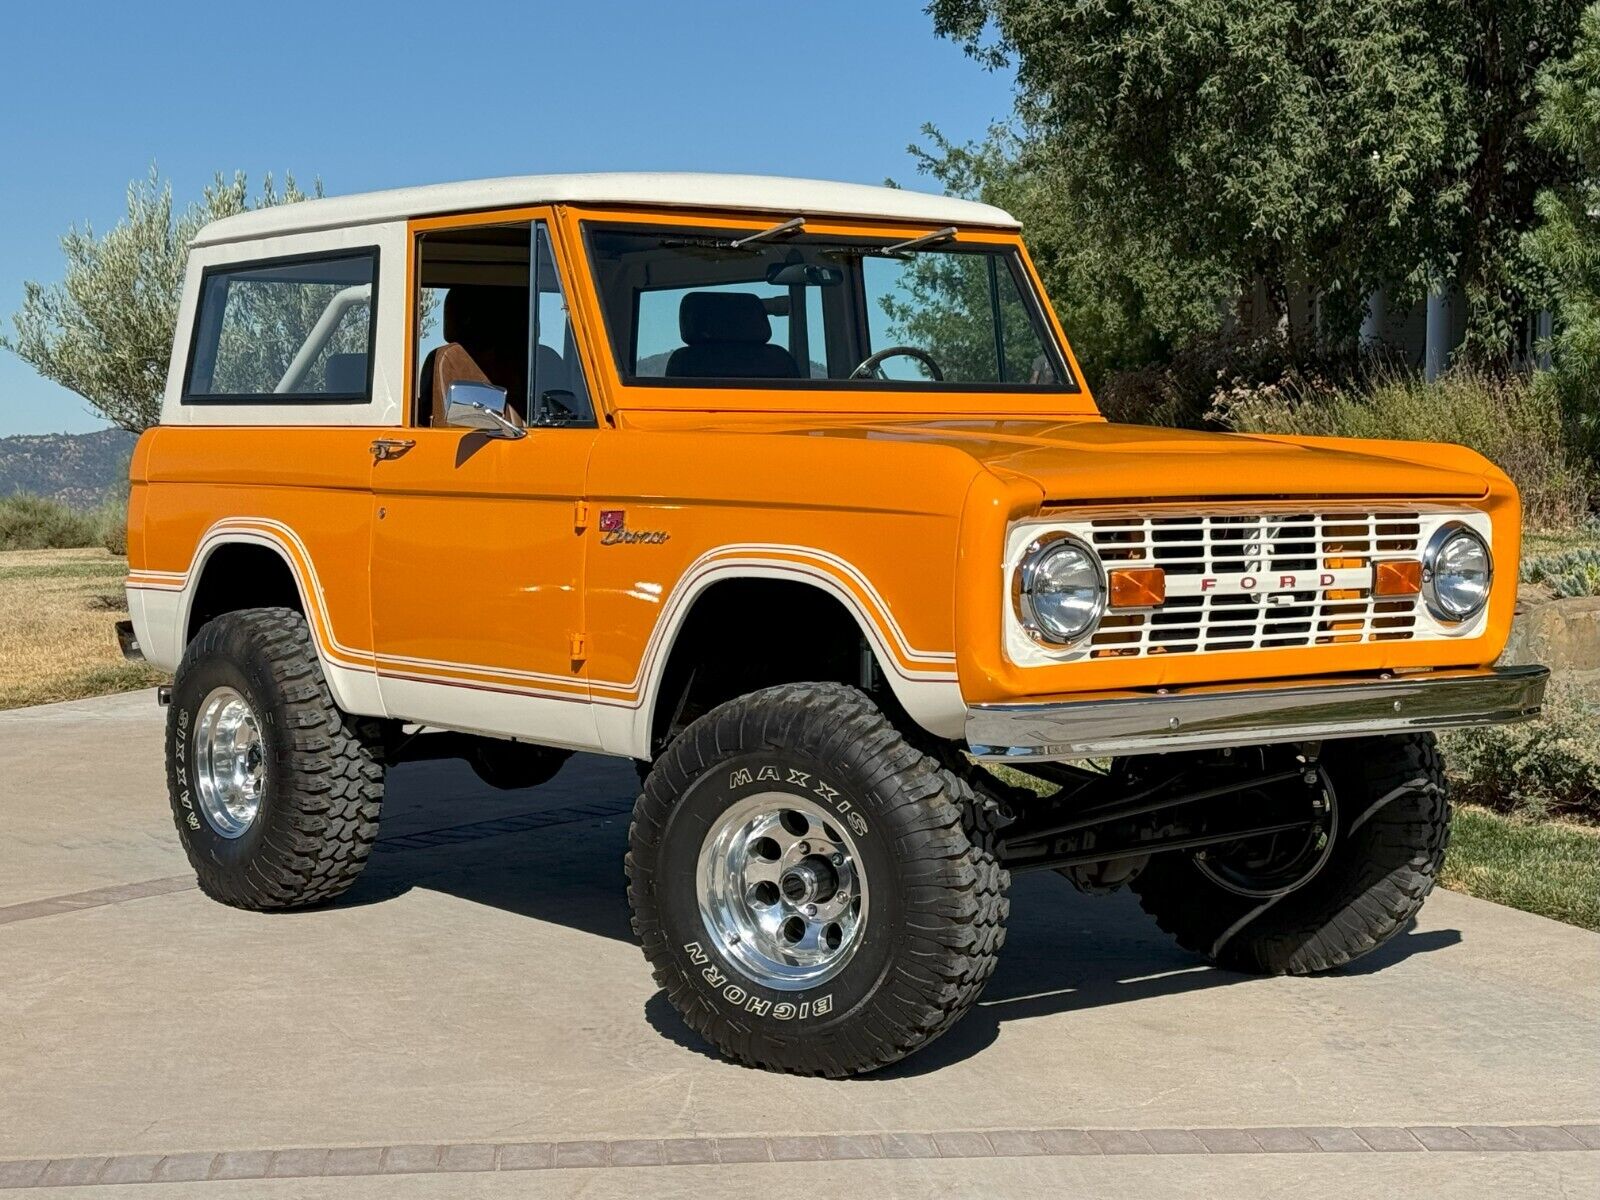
[
  {"x": 1457, "y": 569},
  {"x": 1061, "y": 591}
]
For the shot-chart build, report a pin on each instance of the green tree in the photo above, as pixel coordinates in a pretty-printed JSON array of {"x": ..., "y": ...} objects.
[
  {"x": 1328, "y": 144},
  {"x": 942, "y": 305},
  {"x": 1118, "y": 315},
  {"x": 1566, "y": 243},
  {"x": 106, "y": 330}
]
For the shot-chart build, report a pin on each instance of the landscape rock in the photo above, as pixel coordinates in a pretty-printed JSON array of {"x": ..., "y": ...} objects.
[{"x": 1564, "y": 635}]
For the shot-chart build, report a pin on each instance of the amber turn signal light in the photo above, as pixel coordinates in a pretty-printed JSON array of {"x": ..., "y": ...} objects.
[
  {"x": 1399, "y": 578},
  {"x": 1138, "y": 587}
]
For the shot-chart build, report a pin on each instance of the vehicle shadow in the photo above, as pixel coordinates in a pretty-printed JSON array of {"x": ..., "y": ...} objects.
[
  {"x": 555, "y": 854},
  {"x": 551, "y": 853},
  {"x": 1066, "y": 952}
]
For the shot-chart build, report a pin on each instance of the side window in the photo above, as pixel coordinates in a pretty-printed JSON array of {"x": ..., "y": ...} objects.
[
  {"x": 285, "y": 331},
  {"x": 490, "y": 309},
  {"x": 561, "y": 394},
  {"x": 1023, "y": 343}
]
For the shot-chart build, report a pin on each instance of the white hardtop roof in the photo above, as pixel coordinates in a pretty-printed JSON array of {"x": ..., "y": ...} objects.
[{"x": 669, "y": 189}]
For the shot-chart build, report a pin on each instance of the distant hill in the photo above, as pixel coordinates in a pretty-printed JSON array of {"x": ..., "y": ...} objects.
[{"x": 79, "y": 469}]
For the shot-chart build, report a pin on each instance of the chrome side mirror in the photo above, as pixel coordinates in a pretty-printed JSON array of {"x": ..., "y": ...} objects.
[{"x": 480, "y": 406}]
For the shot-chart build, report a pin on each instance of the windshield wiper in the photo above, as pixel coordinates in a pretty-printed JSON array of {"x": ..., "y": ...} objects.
[
  {"x": 901, "y": 249},
  {"x": 793, "y": 225}
]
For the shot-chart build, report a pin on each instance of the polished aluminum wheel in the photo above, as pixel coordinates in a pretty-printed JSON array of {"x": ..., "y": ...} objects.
[
  {"x": 781, "y": 890},
  {"x": 228, "y": 762}
]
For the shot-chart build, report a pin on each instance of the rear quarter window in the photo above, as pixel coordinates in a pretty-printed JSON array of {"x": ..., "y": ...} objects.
[{"x": 287, "y": 331}]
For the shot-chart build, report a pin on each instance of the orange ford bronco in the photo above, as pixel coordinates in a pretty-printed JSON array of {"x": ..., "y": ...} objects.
[{"x": 792, "y": 492}]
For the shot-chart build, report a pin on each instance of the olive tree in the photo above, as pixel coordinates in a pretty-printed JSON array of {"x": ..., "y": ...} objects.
[{"x": 105, "y": 330}]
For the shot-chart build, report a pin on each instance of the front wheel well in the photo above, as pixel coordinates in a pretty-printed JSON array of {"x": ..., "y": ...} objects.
[
  {"x": 237, "y": 576},
  {"x": 743, "y": 635}
]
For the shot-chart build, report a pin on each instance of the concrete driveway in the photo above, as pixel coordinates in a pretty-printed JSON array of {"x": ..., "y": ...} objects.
[{"x": 475, "y": 1020}]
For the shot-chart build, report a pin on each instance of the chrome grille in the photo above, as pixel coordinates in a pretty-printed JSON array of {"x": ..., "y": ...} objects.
[{"x": 1209, "y": 558}]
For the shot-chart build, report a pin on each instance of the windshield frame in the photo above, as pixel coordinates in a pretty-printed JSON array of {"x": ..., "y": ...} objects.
[{"x": 1069, "y": 397}]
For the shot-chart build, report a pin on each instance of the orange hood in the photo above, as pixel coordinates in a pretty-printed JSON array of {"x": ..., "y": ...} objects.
[{"x": 1092, "y": 460}]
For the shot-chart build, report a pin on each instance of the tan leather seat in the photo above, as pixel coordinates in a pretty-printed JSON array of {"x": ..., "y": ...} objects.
[
  {"x": 486, "y": 338},
  {"x": 450, "y": 363}
]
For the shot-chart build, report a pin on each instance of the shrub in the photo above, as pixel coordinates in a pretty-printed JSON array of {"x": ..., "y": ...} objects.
[
  {"x": 1576, "y": 573},
  {"x": 1182, "y": 390},
  {"x": 36, "y": 523},
  {"x": 1544, "y": 768},
  {"x": 33, "y": 523},
  {"x": 115, "y": 538},
  {"x": 1508, "y": 420}
]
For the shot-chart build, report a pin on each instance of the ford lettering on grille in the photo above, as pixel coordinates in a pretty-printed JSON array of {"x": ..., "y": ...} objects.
[{"x": 1261, "y": 581}]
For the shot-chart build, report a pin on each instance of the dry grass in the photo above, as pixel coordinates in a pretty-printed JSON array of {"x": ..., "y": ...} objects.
[{"x": 58, "y": 641}]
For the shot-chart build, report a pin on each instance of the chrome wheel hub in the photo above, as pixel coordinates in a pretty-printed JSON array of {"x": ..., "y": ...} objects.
[
  {"x": 781, "y": 891},
  {"x": 229, "y": 761}
]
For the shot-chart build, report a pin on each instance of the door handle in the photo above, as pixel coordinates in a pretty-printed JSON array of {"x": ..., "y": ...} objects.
[{"x": 383, "y": 448}]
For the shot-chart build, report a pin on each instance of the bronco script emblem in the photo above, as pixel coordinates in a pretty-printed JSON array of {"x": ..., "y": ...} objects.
[{"x": 614, "y": 530}]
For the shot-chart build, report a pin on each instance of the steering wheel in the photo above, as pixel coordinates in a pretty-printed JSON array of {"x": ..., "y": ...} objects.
[{"x": 872, "y": 365}]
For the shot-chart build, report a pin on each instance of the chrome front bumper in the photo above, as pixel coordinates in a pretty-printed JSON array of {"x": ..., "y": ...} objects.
[{"x": 1296, "y": 710}]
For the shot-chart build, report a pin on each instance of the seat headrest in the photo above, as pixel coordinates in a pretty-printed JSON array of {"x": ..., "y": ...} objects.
[
  {"x": 723, "y": 317},
  {"x": 476, "y": 313},
  {"x": 345, "y": 373}
]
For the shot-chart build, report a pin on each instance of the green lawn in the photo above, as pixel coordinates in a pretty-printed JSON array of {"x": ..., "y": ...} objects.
[{"x": 1547, "y": 867}]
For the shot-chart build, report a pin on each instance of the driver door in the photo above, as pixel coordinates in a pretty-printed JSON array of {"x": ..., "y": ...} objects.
[{"x": 477, "y": 563}]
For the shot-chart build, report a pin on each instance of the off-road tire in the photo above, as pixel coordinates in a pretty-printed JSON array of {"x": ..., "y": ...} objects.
[
  {"x": 511, "y": 766},
  {"x": 938, "y": 893},
  {"x": 323, "y": 784},
  {"x": 1394, "y": 824}
]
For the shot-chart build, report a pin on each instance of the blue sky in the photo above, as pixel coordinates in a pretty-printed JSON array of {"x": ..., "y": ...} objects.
[{"x": 377, "y": 95}]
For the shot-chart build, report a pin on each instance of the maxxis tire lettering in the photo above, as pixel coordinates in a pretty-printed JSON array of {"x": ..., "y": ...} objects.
[
  {"x": 185, "y": 798},
  {"x": 794, "y": 777}
]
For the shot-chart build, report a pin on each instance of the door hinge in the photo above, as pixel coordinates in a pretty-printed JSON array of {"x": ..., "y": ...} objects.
[
  {"x": 580, "y": 516},
  {"x": 579, "y": 653}
]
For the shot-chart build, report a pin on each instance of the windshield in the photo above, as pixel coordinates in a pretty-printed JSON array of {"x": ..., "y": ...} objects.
[{"x": 691, "y": 307}]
